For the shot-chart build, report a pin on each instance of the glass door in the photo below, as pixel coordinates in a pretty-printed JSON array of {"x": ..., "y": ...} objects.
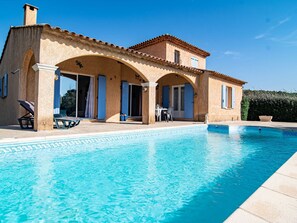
[
  {"x": 68, "y": 89},
  {"x": 135, "y": 100},
  {"x": 74, "y": 91},
  {"x": 178, "y": 102}
]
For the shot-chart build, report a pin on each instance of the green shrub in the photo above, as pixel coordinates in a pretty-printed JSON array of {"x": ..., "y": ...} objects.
[
  {"x": 245, "y": 104},
  {"x": 281, "y": 105}
]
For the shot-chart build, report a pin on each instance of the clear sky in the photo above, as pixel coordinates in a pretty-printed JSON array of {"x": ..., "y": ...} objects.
[{"x": 255, "y": 41}]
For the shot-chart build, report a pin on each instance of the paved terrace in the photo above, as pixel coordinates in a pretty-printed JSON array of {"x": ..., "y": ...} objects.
[
  {"x": 274, "y": 201},
  {"x": 15, "y": 133}
]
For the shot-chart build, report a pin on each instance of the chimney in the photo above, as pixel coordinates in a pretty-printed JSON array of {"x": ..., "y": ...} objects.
[{"x": 30, "y": 15}]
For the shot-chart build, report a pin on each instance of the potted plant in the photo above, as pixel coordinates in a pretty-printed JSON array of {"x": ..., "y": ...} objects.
[{"x": 123, "y": 117}]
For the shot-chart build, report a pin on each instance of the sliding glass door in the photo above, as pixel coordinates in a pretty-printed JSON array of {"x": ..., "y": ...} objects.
[{"x": 74, "y": 93}]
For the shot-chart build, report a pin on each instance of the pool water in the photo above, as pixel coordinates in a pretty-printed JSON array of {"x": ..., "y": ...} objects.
[{"x": 183, "y": 175}]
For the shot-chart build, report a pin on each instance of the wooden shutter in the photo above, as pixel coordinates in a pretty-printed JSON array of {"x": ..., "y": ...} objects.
[
  {"x": 101, "y": 97},
  {"x": 165, "y": 96},
  {"x": 125, "y": 98},
  {"x": 189, "y": 101},
  {"x": 5, "y": 90},
  {"x": 233, "y": 97},
  {"x": 224, "y": 97}
]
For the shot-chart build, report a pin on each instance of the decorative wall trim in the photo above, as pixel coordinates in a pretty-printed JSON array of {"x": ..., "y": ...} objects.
[{"x": 46, "y": 67}]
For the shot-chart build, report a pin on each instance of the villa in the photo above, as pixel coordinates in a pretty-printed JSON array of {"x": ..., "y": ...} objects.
[{"x": 75, "y": 75}]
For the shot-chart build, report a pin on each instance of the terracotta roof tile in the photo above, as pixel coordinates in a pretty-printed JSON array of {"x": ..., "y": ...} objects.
[
  {"x": 172, "y": 39},
  {"x": 128, "y": 50}
]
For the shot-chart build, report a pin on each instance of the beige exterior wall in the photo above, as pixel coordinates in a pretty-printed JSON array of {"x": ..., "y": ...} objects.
[
  {"x": 185, "y": 56},
  {"x": 157, "y": 50},
  {"x": 19, "y": 43},
  {"x": 203, "y": 94},
  {"x": 215, "y": 111}
]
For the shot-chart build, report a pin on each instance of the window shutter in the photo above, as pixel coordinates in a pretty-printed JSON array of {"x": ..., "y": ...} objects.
[
  {"x": 189, "y": 101},
  {"x": 125, "y": 98},
  {"x": 1, "y": 85},
  {"x": 57, "y": 92},
  {"x": 165, "y": 96},
  {"x": 233, "y": 97},
  {"x": 5, "y": 90},
  {"x": 224, "y": 97},
  {"x": 101, "y": 97}
]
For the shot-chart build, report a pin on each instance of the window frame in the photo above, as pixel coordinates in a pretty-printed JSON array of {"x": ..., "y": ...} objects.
[
  {"x": 194, "y": 60},
  {"x": 177, "y": 56}
]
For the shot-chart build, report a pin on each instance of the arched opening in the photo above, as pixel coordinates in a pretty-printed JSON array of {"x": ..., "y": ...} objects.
[
  {"x": 177, "y": 94},
  {"x": 100, "y": 88},
  {"x": 30, "y": 85},
  {"x": 27, "y": 77}
]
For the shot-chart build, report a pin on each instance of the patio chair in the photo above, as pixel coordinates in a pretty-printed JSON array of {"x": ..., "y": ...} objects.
[
  {"x": 27, "y": 120},
  {"x": 64, "y": 122},
  {"x": 158, "y": 113},
  {"x": 169, "y": 115}
]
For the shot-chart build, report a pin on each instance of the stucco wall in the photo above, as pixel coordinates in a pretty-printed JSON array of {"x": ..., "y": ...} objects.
[
  {"x": 215, "y": 111},
  {"x": 203, "y": 93},
  {"x": 19, "y": 42},
  {"x": 185, "y": 56},
  {"x": 158, "y": 50}
]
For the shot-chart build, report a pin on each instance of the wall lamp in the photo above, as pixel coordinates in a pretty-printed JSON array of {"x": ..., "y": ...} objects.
[
  {"x": 144, "y": 89},
  {"x": 16, "y": 71}
]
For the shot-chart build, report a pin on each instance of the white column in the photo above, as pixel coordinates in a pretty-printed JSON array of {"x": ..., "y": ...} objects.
[
  {"x": 44, "y": 96},
  {"x": 148, "y": 102}
]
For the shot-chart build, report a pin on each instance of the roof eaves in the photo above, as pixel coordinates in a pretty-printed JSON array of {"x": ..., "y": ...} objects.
[
  {"x": 5, "y": 45},
  {"x": 226, "y": 77},
  {"x": 173, "y": 39},
  {"x": 125, "y": 50}
]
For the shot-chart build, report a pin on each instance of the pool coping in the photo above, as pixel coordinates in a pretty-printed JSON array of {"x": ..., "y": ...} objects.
[
  {"x": 274, "y": 201},
  {"x": 76, "y": 135}
]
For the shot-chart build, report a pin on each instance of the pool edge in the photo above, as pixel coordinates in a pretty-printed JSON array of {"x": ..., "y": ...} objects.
[{"x": 274, "y": 201}]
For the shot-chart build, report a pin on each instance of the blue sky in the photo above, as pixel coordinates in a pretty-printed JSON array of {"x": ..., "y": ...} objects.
[{"x": 255, "y": 41}]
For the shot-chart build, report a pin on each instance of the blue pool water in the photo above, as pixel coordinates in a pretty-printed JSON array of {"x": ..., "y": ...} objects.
[{"x": 178, "y": 175}]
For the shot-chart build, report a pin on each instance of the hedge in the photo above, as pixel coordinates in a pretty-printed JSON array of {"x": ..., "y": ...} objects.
[{"x": 281, "y": 105}]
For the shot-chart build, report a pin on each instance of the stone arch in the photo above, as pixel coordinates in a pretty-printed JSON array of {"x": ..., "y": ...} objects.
[
  {"x": 27, "y": 77},
  {"x": 119, "y": 60},
  {"x": 192, "y": 81},
  {"x": 167, "y": 81}
]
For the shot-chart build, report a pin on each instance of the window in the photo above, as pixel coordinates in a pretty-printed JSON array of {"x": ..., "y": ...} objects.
[
  {"x": 194, "y": 62},
  {"x": 5, "y": 86},
  {"x": 228, "y": 97},
  {"x": 176, "y": 56},
  {"x": 1, "y": 87}
]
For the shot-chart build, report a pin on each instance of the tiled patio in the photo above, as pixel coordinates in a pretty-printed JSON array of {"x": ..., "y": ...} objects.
[{"x": 15, "y": 133}]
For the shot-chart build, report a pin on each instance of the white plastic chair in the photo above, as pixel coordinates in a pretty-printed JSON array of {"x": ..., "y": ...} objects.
[{"x": 158, "y": 113}]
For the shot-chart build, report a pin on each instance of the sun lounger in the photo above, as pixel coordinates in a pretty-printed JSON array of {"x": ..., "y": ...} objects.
[
  {"x": 64, "y": 122},
  {"x": 61, "y": 122},
  {"x": 27, "y": 121}
]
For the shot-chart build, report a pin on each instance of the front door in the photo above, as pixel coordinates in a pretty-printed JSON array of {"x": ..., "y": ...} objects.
[
  {"x": 135, "y": 101},
  {"x": 178, "y": 101}
]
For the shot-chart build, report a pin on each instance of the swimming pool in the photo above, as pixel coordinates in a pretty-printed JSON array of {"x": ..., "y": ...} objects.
[{"x": 189, "y": 174}]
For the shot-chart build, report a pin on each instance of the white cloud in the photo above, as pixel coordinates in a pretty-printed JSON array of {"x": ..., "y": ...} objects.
[
  {"x": 260, "y": 36},
  {"x": 272, "y": 28},
  {"x": 231, "y": 53}
]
